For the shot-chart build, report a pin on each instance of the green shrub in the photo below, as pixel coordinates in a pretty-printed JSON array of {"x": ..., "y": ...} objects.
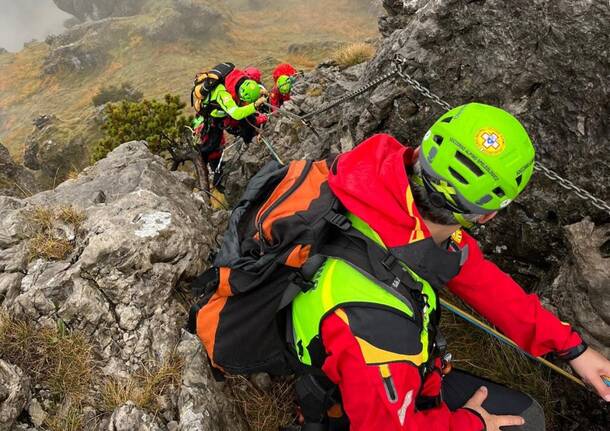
[
  {"x": 113, "y": 94},
  {"x": 158, "y": 123}
]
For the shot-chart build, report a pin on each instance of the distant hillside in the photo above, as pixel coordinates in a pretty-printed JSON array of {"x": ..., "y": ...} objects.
[{"x": 156, "y": 45}]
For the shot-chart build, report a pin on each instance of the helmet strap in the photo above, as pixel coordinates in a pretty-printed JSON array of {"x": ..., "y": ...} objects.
[{"x": 463, "y": 221}]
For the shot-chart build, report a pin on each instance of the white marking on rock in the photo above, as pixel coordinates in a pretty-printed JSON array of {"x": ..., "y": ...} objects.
[{"x": 152, "y": 223}]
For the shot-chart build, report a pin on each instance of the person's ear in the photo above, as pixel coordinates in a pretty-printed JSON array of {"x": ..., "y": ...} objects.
[{"x": 487, "y": 217}]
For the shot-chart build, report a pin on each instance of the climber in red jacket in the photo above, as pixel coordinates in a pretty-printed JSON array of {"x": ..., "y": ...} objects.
[
  {"x": 387, "y": 358},
  {"x": 283, "y": 78}
]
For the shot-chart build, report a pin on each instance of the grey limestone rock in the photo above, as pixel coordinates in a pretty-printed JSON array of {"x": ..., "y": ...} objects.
[{"x": 14, "y": 394}]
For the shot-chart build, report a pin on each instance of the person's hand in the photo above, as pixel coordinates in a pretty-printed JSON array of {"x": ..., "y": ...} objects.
[
  {"x": 261, "y": 119},
  {"x": 260, "y": 101},
  {"x": 264, "y": 91},
  {"x": 591, "y": 366},
  {"x": 492, "y": 422}
]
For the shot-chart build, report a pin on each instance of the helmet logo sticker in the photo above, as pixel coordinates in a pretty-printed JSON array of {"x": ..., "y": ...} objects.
[
  {"x": 505, "y": 203},
  {"x": 490, "y": 141},
  {"x": 427, "y": 135}
]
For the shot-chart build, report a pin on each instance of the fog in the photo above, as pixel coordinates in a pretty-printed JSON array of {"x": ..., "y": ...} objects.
[{"x": 24, "y": 20}]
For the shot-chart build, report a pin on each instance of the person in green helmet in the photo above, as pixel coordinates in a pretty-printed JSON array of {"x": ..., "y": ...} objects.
[
  {"x": 230, "y": 106},
  {"x": 283, "y": 76},
  {"x": 375, "y": 343}
]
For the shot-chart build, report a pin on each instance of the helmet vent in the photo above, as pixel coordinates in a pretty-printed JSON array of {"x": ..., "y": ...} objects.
[
  {"x": 469, "y": 164},
  {"x": 438, "y": 139},
  {"x": 457, "y": 176},
  {"x": 447, "y": 119},
  {"x": 518, "y": 179},
  {"x": 499, "y": 192}
]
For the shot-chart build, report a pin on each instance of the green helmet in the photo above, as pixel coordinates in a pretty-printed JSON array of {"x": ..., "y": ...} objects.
[
  {"x": 477, "y": 158},
  {"x": 249, "y": 91},
  {"x": 284, "y": 84}
]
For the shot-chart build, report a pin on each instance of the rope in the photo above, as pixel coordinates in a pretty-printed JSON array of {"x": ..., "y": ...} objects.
[{"x": 504, "y": 339}]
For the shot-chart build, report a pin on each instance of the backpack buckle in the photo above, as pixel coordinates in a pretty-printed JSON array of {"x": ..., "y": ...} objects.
[
  {"x": 389, "y": 262},
  {"x": 338, "y": 220}
]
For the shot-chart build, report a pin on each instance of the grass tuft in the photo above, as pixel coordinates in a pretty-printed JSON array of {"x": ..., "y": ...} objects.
[
  {"x": 353, "y": 54},
  {"x": 143, "y": 389},
  {"x": 47, "y": 240},
  {"x": 60, "y": 361},
  {"x": 265, "y": 410}
]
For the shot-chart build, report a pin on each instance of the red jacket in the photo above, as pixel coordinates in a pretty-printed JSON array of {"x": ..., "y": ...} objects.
[
  {"x": 371, "y": 182},
  {"x": 276, "y": 98}
]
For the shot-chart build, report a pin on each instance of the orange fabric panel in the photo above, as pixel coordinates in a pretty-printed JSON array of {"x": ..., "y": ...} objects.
[
  {"x": 300, "y": 199},
  {"x": 294, "y": 171},
  {"x": 209, "y": 315},
  {"x": 298, "y": 256}
]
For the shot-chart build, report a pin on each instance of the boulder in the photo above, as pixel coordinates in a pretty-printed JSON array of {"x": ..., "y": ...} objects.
[
  {"x": 15, "y": 180},
  {"x": 131, "y": 418},
  {"x": 99, "y": 9},
  {"x": 186, "y": 19},
  {"x": 56, "y": 147},
  {"x": 141, "y": 232},
  {"x": 203, "y": 404},
  {"x": 582, "y": 284},
  {"x": 14, "y": 394}
]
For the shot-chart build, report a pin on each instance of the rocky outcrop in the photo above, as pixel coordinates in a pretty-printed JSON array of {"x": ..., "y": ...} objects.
[
  {"x": 15, "y": 180},
  {"x": 582, "y": 285},
  {"x": 99, "y": 9},
  {"x": 185, "y": 19},
  {"x": 57, "y": 147},
  {"x": 84, "y": 47},
  {"x": 14, "y": 394},
  {"x": 141, "y": 232}
]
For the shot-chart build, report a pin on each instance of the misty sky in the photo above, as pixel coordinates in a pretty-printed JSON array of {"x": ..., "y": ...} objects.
[{"x": 24, "y": 20}]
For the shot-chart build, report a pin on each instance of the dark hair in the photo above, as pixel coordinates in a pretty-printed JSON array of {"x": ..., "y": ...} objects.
[{"x": 425, "y": 206}]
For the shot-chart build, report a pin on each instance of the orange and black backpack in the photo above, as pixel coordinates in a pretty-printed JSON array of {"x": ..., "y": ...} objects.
[
  {"x": 205, "y": 82},
  {"x": 281, "y": 231},
  {"x": 279, "y": 223}
]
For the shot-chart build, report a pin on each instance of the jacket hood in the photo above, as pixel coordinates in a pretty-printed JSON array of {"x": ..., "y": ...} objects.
[
  {"x": 283, "y": 69},
  {"x": 232, "y": 82},
  {"x": 371, "y": 182}
]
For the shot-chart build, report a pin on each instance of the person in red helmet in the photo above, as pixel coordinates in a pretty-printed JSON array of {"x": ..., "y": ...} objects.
[
  {"x": 283, "y": 78},
  {"x": 254, "y": 73}
]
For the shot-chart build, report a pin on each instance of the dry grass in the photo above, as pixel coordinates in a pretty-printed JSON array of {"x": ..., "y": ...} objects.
[
  {"x": 481, "y": 354},
  {"x": 67, "y": 419},
  {"x": 144, "y": 388},
  {"x": 47, "y": 240},
  {"x": 301, "y": 61},
  {"x": 264, "y": 410},
  {"x": 71, "y": 216},
  {"x": 314, "y": 91},
  {"x": 60, "y": 361},
  {"x": 72, "y": 174},
  {"x": 353, "y": 54}
]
